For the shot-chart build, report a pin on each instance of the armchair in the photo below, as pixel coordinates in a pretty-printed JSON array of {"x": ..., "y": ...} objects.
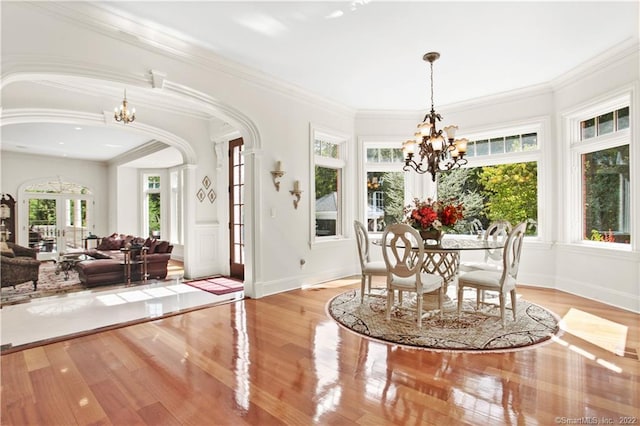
[{"x": 18, "y": 265}]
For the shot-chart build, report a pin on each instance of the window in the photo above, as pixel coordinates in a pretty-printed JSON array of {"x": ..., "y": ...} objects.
[
  {"x": 152, "y": 205},
  {"x": 502, "y": 145},
  {"x": 609, "y": 122},
  {"x": 385, "y": 185},
  {"x": 507, "y": 191},
  {"x": 599, "y": 144},
  {"x": 329, "y": 167},
  {"x": 500, "y": 182}
]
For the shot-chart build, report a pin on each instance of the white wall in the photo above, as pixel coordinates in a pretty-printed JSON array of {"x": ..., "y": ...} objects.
[{"x": 128, "y": 203}]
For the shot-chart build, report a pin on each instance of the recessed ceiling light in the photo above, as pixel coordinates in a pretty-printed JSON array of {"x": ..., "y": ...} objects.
[
  {"x": 78, "y": 128},
  {"x": 108, "y": 145},
  {"x": 60, "y": 143}
]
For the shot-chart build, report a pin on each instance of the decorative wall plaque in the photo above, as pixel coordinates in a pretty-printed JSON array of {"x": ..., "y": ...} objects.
[
  {"x": 201, "y": 195},
  {"x": 206, "y": 182}
]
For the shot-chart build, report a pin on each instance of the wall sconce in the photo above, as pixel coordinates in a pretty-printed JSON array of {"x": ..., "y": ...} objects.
[
  {"x": 277, "y": 174},
  {"x": 296, "y": 193}
]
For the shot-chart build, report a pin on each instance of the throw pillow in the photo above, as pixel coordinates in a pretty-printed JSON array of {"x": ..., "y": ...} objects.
[
  {"x": 103, "y": 244},
  {"x": 151, "y": 243},
  {"x": 162, "y": 247},
  {"x": 6, "y": 250},
  {"x": 110, "y": 243}
]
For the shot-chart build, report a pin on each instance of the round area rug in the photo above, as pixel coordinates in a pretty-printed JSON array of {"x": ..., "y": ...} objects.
[{"x": 473, "y": 331}]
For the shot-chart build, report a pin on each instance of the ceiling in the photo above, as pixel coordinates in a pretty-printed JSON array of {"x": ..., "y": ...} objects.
[
  {"x": 365, "y": 55},
  {"x": 368, "y": 54}
]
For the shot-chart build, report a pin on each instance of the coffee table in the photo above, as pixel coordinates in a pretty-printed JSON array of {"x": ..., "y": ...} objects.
[{"x": 67, "y": 262}]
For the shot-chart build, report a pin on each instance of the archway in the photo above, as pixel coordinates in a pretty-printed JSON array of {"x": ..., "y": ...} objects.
[{"x": 71, "y": 75}]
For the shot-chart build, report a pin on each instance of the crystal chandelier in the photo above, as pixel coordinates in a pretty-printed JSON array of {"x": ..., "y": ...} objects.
[
  {"x": 436, "y": 152},
  {"x": 122, "y": 113}
]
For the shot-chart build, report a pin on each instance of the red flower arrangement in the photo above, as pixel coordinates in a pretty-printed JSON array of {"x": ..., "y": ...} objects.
[{"x": 429, "y": 214}]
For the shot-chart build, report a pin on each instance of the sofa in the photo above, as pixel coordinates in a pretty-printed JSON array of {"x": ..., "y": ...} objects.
[
  {"x": 106, "y": 263},
  {"x": 18, "y": 265}
]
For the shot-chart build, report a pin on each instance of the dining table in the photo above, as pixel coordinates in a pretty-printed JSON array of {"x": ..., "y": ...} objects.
[{"x": 444, "y": 259}]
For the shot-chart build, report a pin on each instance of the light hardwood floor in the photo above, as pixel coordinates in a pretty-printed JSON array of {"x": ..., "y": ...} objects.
[{"x": 282, "y": 360}]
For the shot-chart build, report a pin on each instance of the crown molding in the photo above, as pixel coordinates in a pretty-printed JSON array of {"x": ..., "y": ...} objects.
[
  {"x": 79, "y": 77},
  {"x": 599, "y": 63},
  {"x": 128, "y": 29},
  {"x": 149, "y": 148},
  {"x": 495, "y": 99},
  {"x": 45, "y": 115}
]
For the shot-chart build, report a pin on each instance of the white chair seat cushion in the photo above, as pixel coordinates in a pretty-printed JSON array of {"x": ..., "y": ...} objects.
[
  {"x": 489, "y": 280},
  {"x": 377, "y": 268},
  {"x": 479, "y": 266},
  {"x": 430, "y": 282}
]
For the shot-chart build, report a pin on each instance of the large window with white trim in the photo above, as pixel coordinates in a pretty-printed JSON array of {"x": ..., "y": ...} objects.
[
  {"x": 152, "y": 206},
  {"x": 329, "y": 164},
  {"x": 599, "y": 146},
  {"x": 385, "y": 185},
  {"x": 500, "y": 181}
]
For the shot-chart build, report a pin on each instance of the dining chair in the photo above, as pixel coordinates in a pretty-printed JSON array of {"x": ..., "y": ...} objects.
[
  {"x": 368, "y": 268},
  {"x": 496, "y": 231},
  {"x": 403, "y": 253},
  {"x": 503, "y": 281}
]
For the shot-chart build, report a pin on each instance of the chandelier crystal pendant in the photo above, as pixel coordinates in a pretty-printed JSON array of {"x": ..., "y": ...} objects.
[
  {"x": 122, "y": 113},
  {"x": 436, "y": 152}
]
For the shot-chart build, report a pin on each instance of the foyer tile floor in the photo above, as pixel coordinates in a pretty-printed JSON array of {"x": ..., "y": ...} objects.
[{"x": 49, "y": 318}]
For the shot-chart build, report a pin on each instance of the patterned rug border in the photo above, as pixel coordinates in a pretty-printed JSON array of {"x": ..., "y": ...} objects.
[{"x": 558, "y": 332}]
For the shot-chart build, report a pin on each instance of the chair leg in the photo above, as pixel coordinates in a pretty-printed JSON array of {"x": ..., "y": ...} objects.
[
  {"x": 35, "y": 285},
  {"x": 441, "y": 301},
  {"x": 478, "y": 299},
  {"x": 460, "y": 291},
  {"x": 389, "y": 302},
  {"x": 513, "y": 303},
  {"x": 362, "y": 282},
  {"x": 419, "y": 301},
  {"x": 502, "y": 308}
]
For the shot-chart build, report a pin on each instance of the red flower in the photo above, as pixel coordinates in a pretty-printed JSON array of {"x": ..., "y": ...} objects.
[{"x": 431, "y": 214}]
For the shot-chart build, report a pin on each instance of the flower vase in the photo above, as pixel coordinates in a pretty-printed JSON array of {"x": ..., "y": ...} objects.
[{"x": 431, "y": 236}]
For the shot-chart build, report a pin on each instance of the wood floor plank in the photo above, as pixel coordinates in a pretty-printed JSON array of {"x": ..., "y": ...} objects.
[
  {"x": 16, "y": 383},
  {"x": 36, "y": 358},
  {"x": 21, "y": 412},
  {"x": 87, "y": 409},
  {"x": 156, "y": 414},
  {"x": 282, "y": 360},
  {"x": 116, "y": 404},
  {"x": 52, "y": 404}
]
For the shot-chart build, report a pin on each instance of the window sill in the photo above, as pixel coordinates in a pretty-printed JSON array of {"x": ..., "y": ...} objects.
[
  {"x": 608, "y": 250},
  {"x": 328, "y": 242}
]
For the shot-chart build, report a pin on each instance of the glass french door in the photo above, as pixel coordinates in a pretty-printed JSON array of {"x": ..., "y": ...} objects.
[
  {"x": 236, "y": 209},
  {"x": 57, "y": 223}
]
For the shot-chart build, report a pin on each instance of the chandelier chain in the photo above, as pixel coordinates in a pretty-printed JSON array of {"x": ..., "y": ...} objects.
[{"x": 431, "y": 63}]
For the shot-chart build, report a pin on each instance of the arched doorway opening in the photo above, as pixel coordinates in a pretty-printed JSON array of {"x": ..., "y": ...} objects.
[{"x": 57, "y": 214}]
